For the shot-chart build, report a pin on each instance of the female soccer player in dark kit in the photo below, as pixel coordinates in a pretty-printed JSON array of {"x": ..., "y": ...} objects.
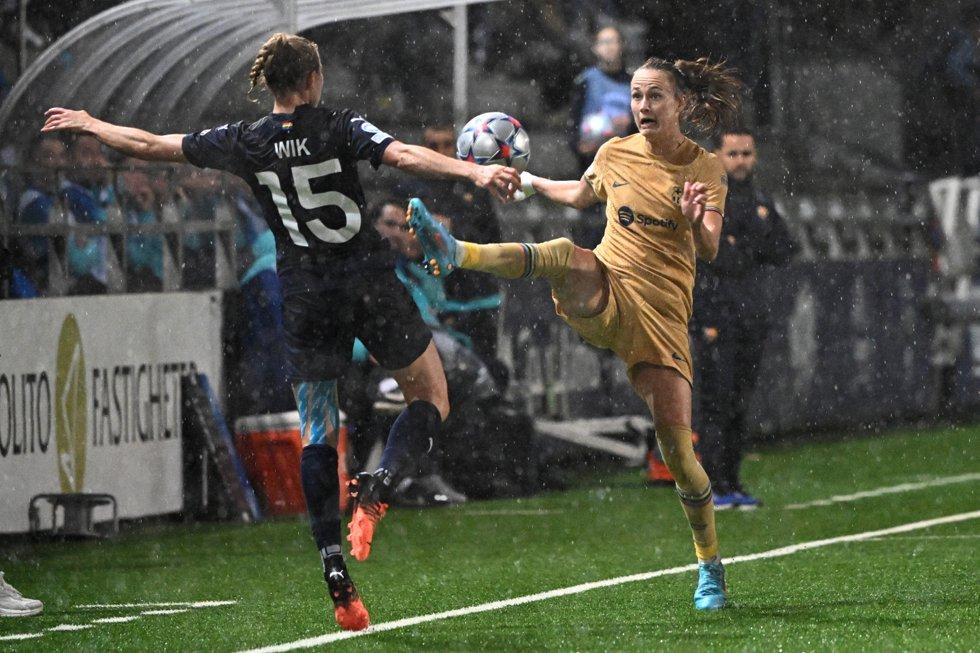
[{"x": 336, "y": 272}]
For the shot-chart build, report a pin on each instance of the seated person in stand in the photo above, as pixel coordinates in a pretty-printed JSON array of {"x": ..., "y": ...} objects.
[
  {"x": 361, "y": 389},
  {"x": 429, "y": 292}
]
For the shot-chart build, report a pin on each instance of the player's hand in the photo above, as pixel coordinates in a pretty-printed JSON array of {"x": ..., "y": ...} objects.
[
  {"x": 527, "y": 187},
  {"x": 58, "y": 119},
  {"x": 692, "y": 203},
  {"x": 499, "y": 180}
]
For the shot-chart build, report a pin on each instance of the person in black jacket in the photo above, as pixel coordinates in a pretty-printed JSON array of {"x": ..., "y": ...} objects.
[{"x": 733, "y": 316}]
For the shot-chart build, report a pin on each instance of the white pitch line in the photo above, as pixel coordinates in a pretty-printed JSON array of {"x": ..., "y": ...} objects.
[
  {"x": 11, "y": 638},
  {"x": 166, "y": 604},
  {"x": 609, "y": 582},
  {"x": 504, "y": 512},
  {"x": 928, "y": 537},
  {"x": 183, "y": 605},
  {"x": 116, "y": 620},
  {"x": 893, "y": 489}
]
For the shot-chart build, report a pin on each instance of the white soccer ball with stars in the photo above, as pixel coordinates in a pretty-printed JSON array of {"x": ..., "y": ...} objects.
[{"x": 494, "y": 138}]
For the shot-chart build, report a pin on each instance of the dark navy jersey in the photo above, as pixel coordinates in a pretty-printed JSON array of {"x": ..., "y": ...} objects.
[{"x": 302, "y": 168}]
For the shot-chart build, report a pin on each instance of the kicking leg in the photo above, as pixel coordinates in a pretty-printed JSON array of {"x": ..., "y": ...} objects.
[
  {"x": 423, "y": 383},
  {"x": 576, "y": 277},
  {"x": 668, "y": 395},
  {"x": 319, "y": 419}
]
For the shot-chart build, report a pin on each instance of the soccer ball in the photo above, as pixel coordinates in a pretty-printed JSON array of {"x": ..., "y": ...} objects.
[{"x": 494, "y": 138}]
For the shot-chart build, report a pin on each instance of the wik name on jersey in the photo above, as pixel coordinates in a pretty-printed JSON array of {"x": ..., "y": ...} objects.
[{"x": 292, "y": 147}]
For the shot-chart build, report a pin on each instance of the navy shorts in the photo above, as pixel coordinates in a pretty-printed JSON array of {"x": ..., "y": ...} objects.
[{"x": 323, "y": 312}]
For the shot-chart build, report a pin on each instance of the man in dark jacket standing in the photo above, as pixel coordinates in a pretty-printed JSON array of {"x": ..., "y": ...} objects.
[{"x": 732, "y": 316}]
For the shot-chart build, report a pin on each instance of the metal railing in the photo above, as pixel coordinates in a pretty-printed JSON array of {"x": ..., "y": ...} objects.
[
  {"x": 172, "y": 230},
  {"x": 859, "y": 227}
]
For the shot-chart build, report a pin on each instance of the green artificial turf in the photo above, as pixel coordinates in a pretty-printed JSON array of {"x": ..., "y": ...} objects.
[{"x": 913, "y": 591}]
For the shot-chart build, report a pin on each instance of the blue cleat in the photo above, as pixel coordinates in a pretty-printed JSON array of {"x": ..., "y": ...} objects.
[
  {"x": 438, "y": 245},
  {"x": 711, "y": 591},
  {"x": 725, "y": 501},
  {"x": 746, "y": 501}
]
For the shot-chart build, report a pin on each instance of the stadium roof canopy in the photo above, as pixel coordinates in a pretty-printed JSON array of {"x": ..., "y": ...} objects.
[{"x": 161, "y": 64}]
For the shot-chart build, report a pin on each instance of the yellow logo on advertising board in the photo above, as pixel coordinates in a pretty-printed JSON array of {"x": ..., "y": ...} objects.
[{"x": 70, "y": 404}]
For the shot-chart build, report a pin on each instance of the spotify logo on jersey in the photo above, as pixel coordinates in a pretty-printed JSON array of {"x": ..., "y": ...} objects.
[
  {"x": 626, "y": 216},
  {"x": 70, "y": 407}
]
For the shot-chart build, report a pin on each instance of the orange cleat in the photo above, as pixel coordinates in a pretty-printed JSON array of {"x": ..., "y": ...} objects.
[
  {"x": 348, "y": 609},
  {"x": 368, "y": 511},
  {"x": 353, "y": 616},
  {"x": 657, "y": 472}
]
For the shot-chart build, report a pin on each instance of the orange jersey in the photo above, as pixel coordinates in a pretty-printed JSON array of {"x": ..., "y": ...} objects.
[{"x": 648, "y": 242}]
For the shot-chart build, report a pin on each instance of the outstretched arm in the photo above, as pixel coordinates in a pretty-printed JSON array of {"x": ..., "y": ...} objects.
[
  {"x": 575, "y": 193},
  {"x": 423, "y": 162},
  {"x": 131, "y": 142}
]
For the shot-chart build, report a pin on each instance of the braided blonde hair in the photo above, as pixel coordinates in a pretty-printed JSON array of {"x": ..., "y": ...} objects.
[{"x": 283, "y": 63}]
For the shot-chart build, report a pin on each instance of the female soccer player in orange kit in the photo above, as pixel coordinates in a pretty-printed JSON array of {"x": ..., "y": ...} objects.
[{"x": 665, "y": 199}]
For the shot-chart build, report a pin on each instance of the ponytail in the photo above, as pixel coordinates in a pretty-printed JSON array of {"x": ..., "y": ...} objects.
[
  {"x": 712, "y": 91},
  {"x": 283, "y": 63}
]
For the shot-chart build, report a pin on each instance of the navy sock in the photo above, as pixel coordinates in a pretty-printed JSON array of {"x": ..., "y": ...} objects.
[
  {"x": 318, "y": 470},
  {"x": 410, "y": 438}
]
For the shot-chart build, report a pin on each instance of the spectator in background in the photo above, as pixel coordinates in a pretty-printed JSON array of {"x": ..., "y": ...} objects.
[
  {"x": 732, "y": 316},
  {"x": 600, "y": 110},
  {"x": 427, "y": 488},
  {"x": 144, "y": 253},
  {"x": 201, "y": 195},
  {"x": 88, "y": 195},
  {"x": 429, "y": 292},
  {"x": 261, "y": 381},
  {"x": 601, "y": 99},
  {"x": 47, "y": 156}
]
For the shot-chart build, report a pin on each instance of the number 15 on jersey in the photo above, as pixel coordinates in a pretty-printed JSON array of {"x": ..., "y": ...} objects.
[{"x": 310, "y": 201}]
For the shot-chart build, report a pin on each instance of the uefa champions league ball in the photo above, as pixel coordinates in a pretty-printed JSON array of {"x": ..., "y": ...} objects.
[{"x": 494, "y": 138}]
